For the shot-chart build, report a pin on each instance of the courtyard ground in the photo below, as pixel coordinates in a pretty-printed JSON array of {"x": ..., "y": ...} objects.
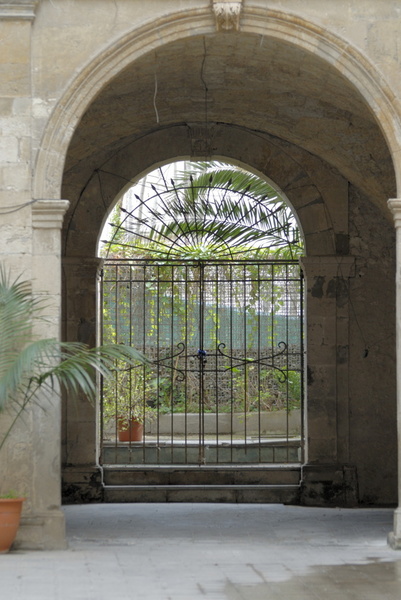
[{"x": 214, "y": 551}]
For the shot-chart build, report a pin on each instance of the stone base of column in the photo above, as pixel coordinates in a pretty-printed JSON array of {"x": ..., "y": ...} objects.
[
  {"x": 82, "y": 484},
  {"x": 394, "y": 538},
  {"x": 42, "y": 531},
  {"x": 329, "y": 485}
]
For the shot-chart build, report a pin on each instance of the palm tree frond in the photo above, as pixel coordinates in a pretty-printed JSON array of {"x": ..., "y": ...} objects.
[{"x": 28, "y": 364}]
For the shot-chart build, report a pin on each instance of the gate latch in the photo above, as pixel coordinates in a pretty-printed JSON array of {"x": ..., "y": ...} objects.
[{"x": 202, "y": 356}]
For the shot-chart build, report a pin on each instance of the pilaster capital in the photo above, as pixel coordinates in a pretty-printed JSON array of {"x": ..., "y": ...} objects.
[
  {"x": 328, "y": 266},
  {"x": 19, "y": 10},
  {"x": 227, "y": 14},
  {"x": 394, "y": 205},
  {"x": 49, "y": 214}
]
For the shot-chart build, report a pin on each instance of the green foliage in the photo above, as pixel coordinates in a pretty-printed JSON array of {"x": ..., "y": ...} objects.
[
  {"x": 10, "y": 495},
  {"x": 286, "y": 389},
  {"x": 29, "y": 365},
  {"x": 127, "y": 393},
  {"x": 210, "y": 211},
  {"x": 264, "y": 389},
  {"x": 228, "y": 210}
]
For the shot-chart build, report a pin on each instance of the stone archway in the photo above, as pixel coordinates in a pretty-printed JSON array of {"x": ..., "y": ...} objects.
[
  {"x": 336, "y": 53},
  {"x": 322, "y": 203},
  {"x": 308, "y": 195},
  {"x": 325, "y": 213}
]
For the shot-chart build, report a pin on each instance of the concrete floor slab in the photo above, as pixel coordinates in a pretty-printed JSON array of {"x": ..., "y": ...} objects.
[{"x": 214, "y": 551}]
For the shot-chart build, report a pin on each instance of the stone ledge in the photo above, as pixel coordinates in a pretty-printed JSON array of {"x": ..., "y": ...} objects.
[
  {"x": 273, "y": 422},
  {"x": 22, "y": 10}
]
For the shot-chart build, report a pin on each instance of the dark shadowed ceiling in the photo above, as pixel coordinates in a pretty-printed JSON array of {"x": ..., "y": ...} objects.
[{"x": 251, "y": 81}]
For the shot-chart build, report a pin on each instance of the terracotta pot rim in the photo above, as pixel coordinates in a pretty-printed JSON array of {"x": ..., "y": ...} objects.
[{"x": 18, "y": 499}]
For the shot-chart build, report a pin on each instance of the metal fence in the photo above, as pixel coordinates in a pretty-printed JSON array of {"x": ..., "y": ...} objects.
[{"x": 224, "y": 383}]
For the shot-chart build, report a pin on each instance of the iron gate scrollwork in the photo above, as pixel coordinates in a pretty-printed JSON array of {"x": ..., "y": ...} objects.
[{"x": 224, "y": 339}]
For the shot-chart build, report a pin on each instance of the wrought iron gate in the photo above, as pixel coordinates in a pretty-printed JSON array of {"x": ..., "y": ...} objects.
[{"x": 224, "y": 340}]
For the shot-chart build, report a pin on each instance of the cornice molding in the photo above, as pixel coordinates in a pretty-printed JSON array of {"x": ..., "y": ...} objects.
[
  {"x": 49, "y": 214},
  {"x": 394, "y": 205},
  {"x": 20, "y": 10}
]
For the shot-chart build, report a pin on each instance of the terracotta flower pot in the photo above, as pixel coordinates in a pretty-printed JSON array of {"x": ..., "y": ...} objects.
[
  {"x": 10, "y": 515},
  {"x": 132, "y": 432}
]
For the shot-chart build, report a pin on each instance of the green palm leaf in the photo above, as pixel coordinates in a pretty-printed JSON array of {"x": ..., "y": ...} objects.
[
  {"x": 28, "y": 364},
  {"x": 209, "y": 210}
]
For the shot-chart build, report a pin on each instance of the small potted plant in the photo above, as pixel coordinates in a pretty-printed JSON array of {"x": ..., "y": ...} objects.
[
  {"x": 126, "y": 401},
  {"x": 32, "y": 370}
]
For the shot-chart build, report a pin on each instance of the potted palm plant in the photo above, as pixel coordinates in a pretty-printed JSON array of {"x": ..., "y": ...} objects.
[{"x": 32, "y": 370}]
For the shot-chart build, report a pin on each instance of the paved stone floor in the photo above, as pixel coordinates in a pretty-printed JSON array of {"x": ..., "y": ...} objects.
[{"x": 213, "y": 551}]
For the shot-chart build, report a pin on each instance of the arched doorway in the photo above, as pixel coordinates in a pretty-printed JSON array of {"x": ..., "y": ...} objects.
[
  {"x": 293, "y": 132},
  {"x": 201, "y": 275}
]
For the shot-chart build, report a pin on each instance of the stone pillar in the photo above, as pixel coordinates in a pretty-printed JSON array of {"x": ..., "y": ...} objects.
[
  {"x": 81, "y": 479},
  {"x": 395, "y": 207},
  {"x": 42, "y": 525},
  {"x": 328, "y": 477}
]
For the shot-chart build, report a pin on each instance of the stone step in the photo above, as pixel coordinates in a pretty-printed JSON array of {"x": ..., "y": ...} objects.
[
  {"x": 273, "y": 494},
  {"x": 233, "y": 475}
]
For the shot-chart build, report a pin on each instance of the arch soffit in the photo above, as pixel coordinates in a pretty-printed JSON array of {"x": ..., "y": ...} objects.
[
  {"x": 337, "y": 52},
  {"x": 319, "y": 201}
]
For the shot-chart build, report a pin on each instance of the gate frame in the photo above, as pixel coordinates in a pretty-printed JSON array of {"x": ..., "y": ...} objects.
[{"x": 273, "y": 264}]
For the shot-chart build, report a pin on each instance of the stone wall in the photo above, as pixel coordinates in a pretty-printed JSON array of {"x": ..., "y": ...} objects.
[{"x": 372, "y": 380}]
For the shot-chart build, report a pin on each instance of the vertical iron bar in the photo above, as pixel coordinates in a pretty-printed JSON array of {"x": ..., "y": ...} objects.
[
  {"x": 132, "y": 374},
  {"x": 232, "y": 381},
  {"x": 216, "y": 334},
  {"x": 273, "y": 340},
  {"x": 129, "y": 308},
  {"x": 172, "y": 365},
  {"x": 301, "y": 345},
  {"x": 142, "y": 274},
  {"x": 116, "y": 329},
  {"x": 156, "y": 319},
  {"x": 287, "y": 299},
  {"x": 101, "y": 319},
  {"x": 135, "y": 277},
  {"x": 273, "y": 308},
  {"x": 201, "y": 366},
  {"x": 259, "y": 324},
  {"x": 186, "y": 359},
  {"x": 244, "y": 283}
]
